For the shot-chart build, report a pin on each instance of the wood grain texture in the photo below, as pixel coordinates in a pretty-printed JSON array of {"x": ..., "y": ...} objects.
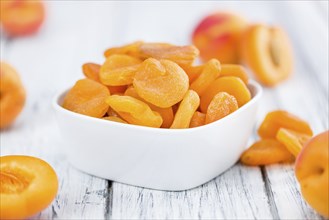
[{"x": 51, "y": 61}]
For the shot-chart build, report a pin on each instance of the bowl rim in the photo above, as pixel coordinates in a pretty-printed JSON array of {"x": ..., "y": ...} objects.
[{"x": 258, "y": 91}]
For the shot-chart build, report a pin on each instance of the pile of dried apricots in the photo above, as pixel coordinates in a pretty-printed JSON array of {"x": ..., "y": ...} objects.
[{"x": 157, "y": 85}]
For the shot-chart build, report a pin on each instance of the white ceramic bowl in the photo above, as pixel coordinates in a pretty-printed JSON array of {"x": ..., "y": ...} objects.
[{"x": 163, "y": 159}]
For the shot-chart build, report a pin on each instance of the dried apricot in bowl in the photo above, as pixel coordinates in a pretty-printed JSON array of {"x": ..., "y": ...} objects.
[
  {"x": 265, "y": 152},
  {"x": 87, "y": 97},
  {"x": 134, "y": 111},
  {"x": 12, "y": 95},
  {"x": 267, "y": 51},
  {"x": 28, "y": 185},
  {"x": 234, "y": 70},
  {"x": 220, "y": 106},
  {"x": 282, "y": 119},
  {"x": 161, "y": 82},
  {"x": 230, "y": 84}
]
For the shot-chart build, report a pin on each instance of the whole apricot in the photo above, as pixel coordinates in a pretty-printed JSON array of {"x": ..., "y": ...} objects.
[
  {"x": 218, "y": 35},
  {"x": 312, "y": 167},
  {"x": 12, "y": 95},
  {"x": 21, "y": 17}
]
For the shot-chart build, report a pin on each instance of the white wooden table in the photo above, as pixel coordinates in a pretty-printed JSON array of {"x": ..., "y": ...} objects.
[{"x": 79, "y": 31}]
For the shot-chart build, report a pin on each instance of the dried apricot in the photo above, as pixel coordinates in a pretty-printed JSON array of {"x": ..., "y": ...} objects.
[
  {"x": 265, "y": 152},
  {"x": 234, "y": 70},
  {"x": 115, "y": 119},
  {"x": 111, "y": 112},
  {"x": 282, "y": 119},
  {"x": 167, "y": 114},
  {"x": 91, "y": 71},
  {"x": 182, "y": 55},
  {"x": 129, "y": 49},
  {"x": 161, "y": 82},
  {"x": 134, "y": 111},
  {"x": 186, "y": 109},
  {"x": 198, "y": 119},
  {"x": 87, "y": 97},
  {"x": 220, "y": 106},
  {"x": 193, "y": 72},
  {"x": 293, "y": 141},
  {"x": 119, "y": 70},
  {"x": 230, "y": 84},
  {"x": 209, "y": 73}
]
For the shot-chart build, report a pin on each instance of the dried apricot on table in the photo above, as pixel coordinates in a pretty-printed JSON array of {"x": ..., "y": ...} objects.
[
  {"x": 167, "y": 114},
  {"x": 115, "y": 119},
  {"x": 209, "y": 73},
  {"x": 230, "y": 84},
  {"x": 87, "y": 97},
  {"x": 182, "y": 55},
  {"x": 28, "y": 185},
  {"x": 234, "y": 70},
  {"x": 293, "y": 141},
  {"x": 119, "y": 70},
  {"x": 161, "y": 82},
  {"x": 186, "y": 109},
  {"x": 134, "y": 111},
  {"x": 267, "y": 51},
  {"x": 198, "y": 119},
  {"x": 220, "y": 106},
  {"x": 265, "y": 152},
  {"x": 282, "y": 119},
  {"x": 129, "y": 49}
]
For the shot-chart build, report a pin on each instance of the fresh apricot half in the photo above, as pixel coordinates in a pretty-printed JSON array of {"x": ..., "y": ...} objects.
[
  {"x": 28, "y": 185},
  {"x": 267, "y": 51},
  {"x": 12, "y": 95}
]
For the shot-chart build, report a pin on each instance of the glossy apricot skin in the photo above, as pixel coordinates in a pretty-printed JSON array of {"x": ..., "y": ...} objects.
[
  {"x": 28, "y": 185},
  {"x": 21, "y": 17},
  {"x": 282, "y": 119},
  {"x": 198, "y": 119},
  {"x": 182, "y": 55},
  {"x": 292, "y": 140},
  {"x": 268, "y": 53},
  {"x": 161, "y": 82},
  {"x": 12, "y": 95},
  {"x": 266, "y": 152},
  {"x": 234, "y": 70},
  {"x": 87, "y": 97},
  {"x": 312, "y": 172},
  {"x": 119, "y": 70},
  {"x": 91, "y": 71},
  {"x": 167, "y": 114},
  {"x": 218, "y": 36},
  {"x": 220, "y": 106},
  {"x": 211, "y": 70},
  {"x": 186, "y": 109},
  {"x": 134, "y": 111},
  {"x": 229, "y": 84}
]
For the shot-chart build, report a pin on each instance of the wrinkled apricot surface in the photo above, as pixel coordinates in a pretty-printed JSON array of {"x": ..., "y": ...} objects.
[
  {"x": 265, "y": 152},
  {"x": 198, "y": 119},
  {"x": 119, "y": 70},
  {"x": 161, "y": 82},
  {"x": 184, "y": 55},
  {"x": 134, "y": 111},
  {"x": 186, "y": 109},
  {"x": 293, "y": 141},
  {"x": 12, "y": 95},
  {"x": 211, "y": 70},
  {"x": 87, "y": 97},
  {"x": 234, "y": 70},
  {"x": 220, "y": 106},
  {"x": 230, "y": 84},
  {"x": 282, "y": 119},
  {"x": 167, "y": 114}
]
